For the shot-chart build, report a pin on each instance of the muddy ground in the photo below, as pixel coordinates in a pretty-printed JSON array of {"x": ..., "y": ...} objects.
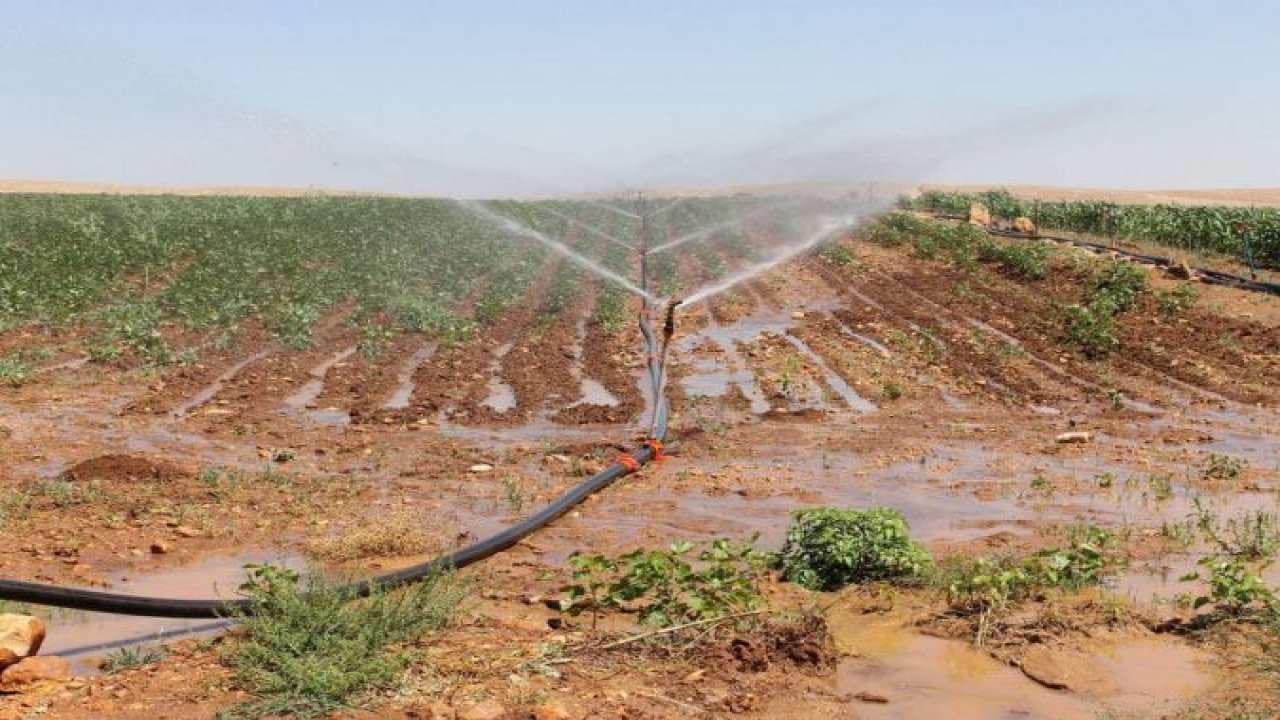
[{"x": 888, "y": 380}]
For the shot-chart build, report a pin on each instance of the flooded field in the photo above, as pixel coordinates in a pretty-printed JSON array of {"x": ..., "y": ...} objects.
[{"x": 889, "y": 380}]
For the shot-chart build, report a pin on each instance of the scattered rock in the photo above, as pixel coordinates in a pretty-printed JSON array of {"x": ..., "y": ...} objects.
[
  {"x": 487, "y": 710},
  {"x": 20, "y": 637},
  {"x": 1181, "y": 271},
  {"x": 480, "y": 468},
  {"x": 979, "y": 215},
  {"x": 1075, "y": 436},
  {"x": 797, "y": 315},
  {"x": 187, "y": 531},
  {"x": 870, "y": 697},
  {"x": 1062, "y": 669},
  {"x": 161, "y": 547},
  {"x": 1024, "y": 225},
  {"x": 34, "y": 670}
]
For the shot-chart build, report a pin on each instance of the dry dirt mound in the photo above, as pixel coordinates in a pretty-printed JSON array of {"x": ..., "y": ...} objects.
[{"x": 123, "y": 468}]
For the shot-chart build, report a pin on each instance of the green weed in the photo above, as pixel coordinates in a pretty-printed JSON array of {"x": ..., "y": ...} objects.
[
  {"x": 312, "y": 647},
  {"x": 672, "y": 586}
]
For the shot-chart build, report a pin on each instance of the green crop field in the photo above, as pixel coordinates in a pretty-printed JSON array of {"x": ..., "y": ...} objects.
[
  {"x": 133, "y": 273},
  {"x": 1197, "y": 228}
]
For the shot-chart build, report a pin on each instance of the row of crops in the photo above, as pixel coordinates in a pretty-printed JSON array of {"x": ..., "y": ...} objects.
[
  {"x": 135, "y": 270},
  {"x": 1208, "y": 228}
]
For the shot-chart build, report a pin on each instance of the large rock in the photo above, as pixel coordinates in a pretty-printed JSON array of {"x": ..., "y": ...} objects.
[
  {"x": 979, "y": 215},
  {"x": 32, "y": 671},
  {"x": 1024, "y": 225},
  {"x": 20, "y": 637},
  {"x": 1063, "y": 669}
]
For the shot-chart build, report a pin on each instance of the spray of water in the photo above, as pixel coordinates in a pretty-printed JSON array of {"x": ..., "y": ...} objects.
[
  {"x": 610, "y": 208},
  {"x": 695, "y": 235},
  {"x": 826, "y": 227},
  {"x": 516, "y": 228},
  {"x": 594, "y": 231},
  {"x": 669, "y": 206}
]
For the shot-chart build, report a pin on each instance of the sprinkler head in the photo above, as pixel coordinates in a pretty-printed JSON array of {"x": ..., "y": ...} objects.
[{"x": 669, "y": 328}]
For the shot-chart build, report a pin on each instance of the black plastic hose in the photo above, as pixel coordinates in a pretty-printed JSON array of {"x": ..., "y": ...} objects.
[
  {"x": 123, "y": 604},
  {"x": 1212, "y": 277}
]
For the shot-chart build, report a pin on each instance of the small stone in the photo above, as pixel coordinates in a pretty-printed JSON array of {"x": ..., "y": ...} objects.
[
  {"x": 979, "y": 215},
  {"x": 1024, "y": 225},
  {"x": 797, "y": 315},
  {"x": 187, "y": 531},
  {"x": 870, "y": 697},
  {"x": 20, "y": 637},
  {"x": 32, "y": 670},
  {"x": 1076, "y": 436},
  {"x": 161, "y": 547},
  {"x": 480, "y": 468}
]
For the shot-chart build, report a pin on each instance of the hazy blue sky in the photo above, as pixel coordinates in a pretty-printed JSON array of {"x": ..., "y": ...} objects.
[{"x": 508, "y": 96}]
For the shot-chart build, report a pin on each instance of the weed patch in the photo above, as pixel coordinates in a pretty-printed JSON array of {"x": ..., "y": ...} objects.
[{"x": 313, "y": 646}]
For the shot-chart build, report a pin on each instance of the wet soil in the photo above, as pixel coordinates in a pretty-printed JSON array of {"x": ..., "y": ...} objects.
[{"x": 890, "y": 381}]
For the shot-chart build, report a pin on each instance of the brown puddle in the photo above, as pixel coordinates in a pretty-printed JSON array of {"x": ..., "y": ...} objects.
[
  {"x": 929, "y": 677},
  {"x": 82, "y": 636},
  {"x": 404, "y": 379},
  {"x": 215, "y": 387}
]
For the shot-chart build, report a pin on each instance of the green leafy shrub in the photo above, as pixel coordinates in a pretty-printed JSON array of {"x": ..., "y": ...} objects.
[
  {"x": 671, "y": 586},
  {"x": 13, "y": 370},
  {"x": 1172, "y": 303},
  {"x": 1090, "y": 328},
  {"x": 311, "y": 645},
  {"x": 835, "y": 252},
  {"x": 1118, "y": 285},
  {"x": 1233, "y": 589},
  {"x": 829, "y": 548},
  {"x": 1029, "y": 259}
]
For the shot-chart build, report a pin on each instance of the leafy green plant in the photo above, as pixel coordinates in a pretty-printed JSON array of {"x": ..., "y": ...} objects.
[
  {"x": 1172, "y": 303},
  {"x": 892, "y": 390},
  {"x": 374, "y": 339},
  {"x": 1090, "y": 328},
  {"x": 829, "y": 548},
  {"x": 129, "y": 658},
  {"x": 311, "y": 645},
  {"x": 838, "y": 254},
  {"x": 1225, "y": 468},
  {"x": 1027, "y": 259},
  {"x": 986, "y": 586},
  {"x": 1251, "y": 535},
  {"x": 1083, "y": 563},
  {"x": 13, "y": 370},
  {"x": 1117, "y": 286},
  {"x": 1233, "y": 588},
  {"x": 669, "y": 586}
]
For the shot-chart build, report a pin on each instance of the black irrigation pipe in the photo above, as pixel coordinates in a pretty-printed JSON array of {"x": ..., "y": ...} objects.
[
  {"x": 1212, "y": 277},
  {"x": 123, "y": 604}
]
